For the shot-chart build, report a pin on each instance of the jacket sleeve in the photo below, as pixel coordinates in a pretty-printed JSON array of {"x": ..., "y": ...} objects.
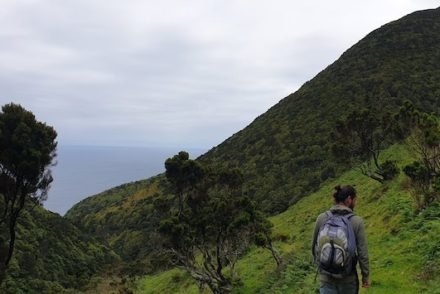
[{"x": 362, "y": 250}]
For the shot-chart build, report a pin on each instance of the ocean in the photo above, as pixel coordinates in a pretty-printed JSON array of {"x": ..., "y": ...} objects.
[{"x": 83, "y": 171}]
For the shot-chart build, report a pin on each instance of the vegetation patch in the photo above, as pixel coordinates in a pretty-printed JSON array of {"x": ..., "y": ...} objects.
[{"x": 403, "y": 244}]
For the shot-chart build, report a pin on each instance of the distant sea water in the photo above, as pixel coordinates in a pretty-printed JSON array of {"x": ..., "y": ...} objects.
[{"x": 84, "y": 171}]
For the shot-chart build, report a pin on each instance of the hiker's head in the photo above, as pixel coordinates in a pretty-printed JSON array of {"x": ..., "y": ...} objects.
[{"x": 345, "y": 195}]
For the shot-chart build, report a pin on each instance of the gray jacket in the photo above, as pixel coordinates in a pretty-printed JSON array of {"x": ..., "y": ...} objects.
[{"x": 361, "y": 242}]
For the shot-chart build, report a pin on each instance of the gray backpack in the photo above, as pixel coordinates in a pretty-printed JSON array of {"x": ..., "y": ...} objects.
[{"x": 334, "y": 247}]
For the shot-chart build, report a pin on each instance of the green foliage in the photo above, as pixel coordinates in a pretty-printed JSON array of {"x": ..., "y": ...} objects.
[
  {"x": 27, "y": 151},
  {"x": 389, "y": 170},
  {"x": 403, "y": 245},
  {"x": 52, "y": 255},
  {"x": 124, "y": 218},
  {"x": 421, "y": 182},
  {"x": 360, "y": 139},
  {"x": 172, "y": 281},
  {"x": 27, "y": 148},
  {"x": 212, "y": 224},
  {"x": 423, "y": 131}
]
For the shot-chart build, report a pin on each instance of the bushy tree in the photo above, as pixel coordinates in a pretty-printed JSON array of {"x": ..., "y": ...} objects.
[
  {"x": 422, "y": 132},
  {"x": 360, "y": 138},
  {"x": 27, "y": 151},
  {"x": 208, "y": 221}
]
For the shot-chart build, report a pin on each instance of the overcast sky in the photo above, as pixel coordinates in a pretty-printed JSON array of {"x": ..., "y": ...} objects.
[{"x": 171, "y": 73}]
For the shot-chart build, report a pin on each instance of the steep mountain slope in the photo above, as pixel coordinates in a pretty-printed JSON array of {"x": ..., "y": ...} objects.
[
  {"x": 53, "y": 256},
  {"x": 403, "y": 245},
  {"x": 285, "y": 153}
]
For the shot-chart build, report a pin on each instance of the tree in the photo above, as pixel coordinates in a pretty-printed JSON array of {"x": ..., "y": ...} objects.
[
  {"x": 208, "y": 222},
  {"x": 422, "y": 133},
  {"x": 27, "y": 150},
  {"x": 361, "y": 137}
]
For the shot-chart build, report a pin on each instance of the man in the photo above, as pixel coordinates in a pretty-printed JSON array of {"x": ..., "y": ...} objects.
[{"x": 346, "y": 281}]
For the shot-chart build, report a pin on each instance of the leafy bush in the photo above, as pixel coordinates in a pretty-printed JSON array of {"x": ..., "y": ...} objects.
[{"x": 389, "y": 169}]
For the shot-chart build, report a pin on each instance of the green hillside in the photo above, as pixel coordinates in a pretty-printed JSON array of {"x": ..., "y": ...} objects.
[
  {"x": 124, "y": 218},
  {"x": 403, "y": 245},
  {"x": 285, "y": 153},
  {"x": 53, "y": 256}
]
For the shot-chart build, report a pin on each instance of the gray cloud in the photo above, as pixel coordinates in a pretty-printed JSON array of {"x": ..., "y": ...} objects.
[{"x": 167, "y": 73}]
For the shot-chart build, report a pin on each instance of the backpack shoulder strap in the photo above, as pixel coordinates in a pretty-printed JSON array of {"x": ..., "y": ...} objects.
[
  {"x": 351, "y": 235},
  {"x": 349, "y": 215},
  {"x": 329, "y": 213}
]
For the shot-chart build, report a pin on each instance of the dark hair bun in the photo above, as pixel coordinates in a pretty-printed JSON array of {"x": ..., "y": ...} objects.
[{"x": 343, "y": 193}]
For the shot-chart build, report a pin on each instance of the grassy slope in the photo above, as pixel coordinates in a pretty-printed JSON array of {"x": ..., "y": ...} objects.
[{"x": 404, "y": 246}]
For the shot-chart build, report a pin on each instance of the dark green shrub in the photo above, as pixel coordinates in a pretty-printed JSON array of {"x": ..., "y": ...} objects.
[{"x": 389, "y": 170}]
